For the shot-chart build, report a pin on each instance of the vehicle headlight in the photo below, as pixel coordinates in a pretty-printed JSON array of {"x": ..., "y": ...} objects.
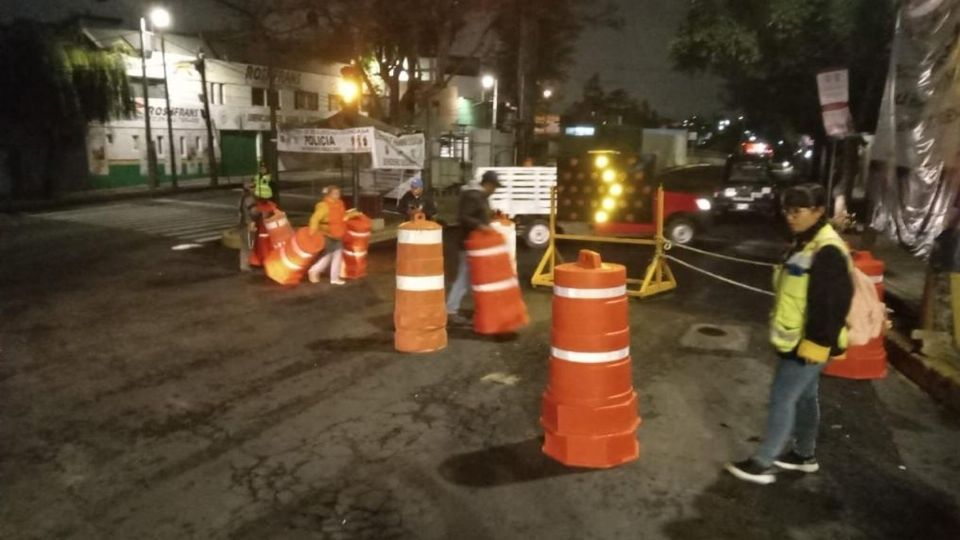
[
  {"x": 704, "y": 204},
  {"x": 730, "y": 192}
]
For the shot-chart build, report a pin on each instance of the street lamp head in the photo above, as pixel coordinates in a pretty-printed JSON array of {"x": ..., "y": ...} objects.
[
  {"x": 160, "y": 18},
  {"x": 547, "y": 93},
  {"x": 348, "y": 90},
  {"x": 488, "y": 81}
]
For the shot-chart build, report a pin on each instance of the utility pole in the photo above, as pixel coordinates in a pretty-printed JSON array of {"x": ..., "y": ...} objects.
[
  {"x": 166, "y": 93},
  {"x": 211, "y": 152},
  {"x": 151, "y": 155},
  {"x": 273, "y": 100}
]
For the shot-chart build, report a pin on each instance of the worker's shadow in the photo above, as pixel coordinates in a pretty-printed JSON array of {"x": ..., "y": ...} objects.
[{"x": 503, "y": 465}]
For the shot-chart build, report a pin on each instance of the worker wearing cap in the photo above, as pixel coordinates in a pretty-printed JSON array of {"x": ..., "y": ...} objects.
[
  {"x": 415, "y": 200},
  {"x": 474, "y": 215}
]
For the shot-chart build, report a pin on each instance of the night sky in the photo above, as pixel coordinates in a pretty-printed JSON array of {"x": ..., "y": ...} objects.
[{"x": 634, "y": 58}]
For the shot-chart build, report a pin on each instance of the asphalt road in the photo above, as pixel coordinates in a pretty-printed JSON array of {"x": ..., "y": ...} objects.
[{"x": 153, "y": 393}]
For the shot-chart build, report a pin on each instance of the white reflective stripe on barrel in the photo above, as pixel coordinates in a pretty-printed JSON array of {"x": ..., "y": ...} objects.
[
  {"x": 420, "y": 283},
  {"x": 275, "y": 224},
  {"x": 358, "y": 234},
  {"x": 509, "y": 283},
  {"x": 876, "y": 279},
  {"x": 354, "y": 253},
  {"x": 486, "y": 252},
  {"x": 287, "y": 262},
  {"x": 296, "y": 247},
  {"x": 590, "y": 294},
  {"x": 263, "y": 235},
  {"x": 590, "y": 357},
  {"x": 421, "y": 237}
]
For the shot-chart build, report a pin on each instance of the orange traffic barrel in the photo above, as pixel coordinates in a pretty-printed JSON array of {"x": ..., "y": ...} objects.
[
  {"x": 355, "y": 243},
  {"x": 278, "y": 229},
  {"x": 498, "y": 301},
  {"x": 262, "y": 245},
  {"x": 420, "y": 314},
  {"x": 589, "y": 412},
  {"x": 287, "y": 265},
  {"x": 508, "y": 229},
  {"x": 867, "y": 361}
]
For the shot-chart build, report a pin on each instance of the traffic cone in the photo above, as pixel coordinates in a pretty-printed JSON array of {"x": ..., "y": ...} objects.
[
  {"x": 589, "y": 410},
  {"x": 420, "y": 314},
  {"x": 498, "y": 301}
]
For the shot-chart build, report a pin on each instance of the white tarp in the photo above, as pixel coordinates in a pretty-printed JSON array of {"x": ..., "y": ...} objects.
[
  {"x": 387, "y": 151},
  {"x": 914, "y": 176}
]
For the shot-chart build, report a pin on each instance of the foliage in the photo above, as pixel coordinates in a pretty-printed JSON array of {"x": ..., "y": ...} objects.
[
  {"x": 769, "y": 51},
  {"x": 57, "y": 85},
  {"x": 596, "y": 104}
]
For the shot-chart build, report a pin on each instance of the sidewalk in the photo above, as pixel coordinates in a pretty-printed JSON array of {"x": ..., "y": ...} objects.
[{"x": 904, "y": 279}]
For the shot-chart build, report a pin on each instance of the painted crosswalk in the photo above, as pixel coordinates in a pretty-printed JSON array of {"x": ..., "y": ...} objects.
[{"x": 187, "y": 221}]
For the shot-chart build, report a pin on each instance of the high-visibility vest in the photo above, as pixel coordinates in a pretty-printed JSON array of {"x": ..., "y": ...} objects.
[
  {"x": 791, "y": 281},
  {"x": 261, "y": 186}
]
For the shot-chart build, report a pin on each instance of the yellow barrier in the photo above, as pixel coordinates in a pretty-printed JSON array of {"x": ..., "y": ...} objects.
[{"x": 658, "y": 278}]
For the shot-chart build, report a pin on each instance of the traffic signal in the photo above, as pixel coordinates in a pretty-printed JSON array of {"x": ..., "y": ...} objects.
[{"x": 604, "y": 186}]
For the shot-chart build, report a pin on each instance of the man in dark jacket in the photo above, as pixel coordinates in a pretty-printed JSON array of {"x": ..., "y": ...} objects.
[
  {"x": 416, "y": 200},
  {"x": 474, "y": 215},
  {"x": 814, "y": 290}
]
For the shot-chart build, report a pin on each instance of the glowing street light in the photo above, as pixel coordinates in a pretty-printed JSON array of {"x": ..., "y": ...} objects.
[
  {"x": 488, "y": 81},
  {"x": 160, "y": 18},
  {"x": 547, "y": 93},
  {"x": 348, "y": 90}
]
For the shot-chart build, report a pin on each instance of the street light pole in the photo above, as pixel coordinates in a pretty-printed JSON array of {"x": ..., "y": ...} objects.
[
  {"x": 496, "y": 86},
  {"x": 166, "y": 92},
  {"x": 151, "y": 156},
  {"x": 211, "y": 152}
]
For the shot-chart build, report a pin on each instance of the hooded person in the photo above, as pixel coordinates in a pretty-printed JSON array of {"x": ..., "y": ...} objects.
[
  {"x": 474, "y": 214},
  {"x": 416, "y": 200}
]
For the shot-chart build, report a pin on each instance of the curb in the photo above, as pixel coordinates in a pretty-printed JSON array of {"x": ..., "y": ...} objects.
[{"x": 936, "y": 377}]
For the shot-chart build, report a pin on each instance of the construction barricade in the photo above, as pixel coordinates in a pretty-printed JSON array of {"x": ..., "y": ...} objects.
[
  {"x": 420, "y": 314},
  {"x": 589, "y": 412},
  {"x": 356, "y": 241},
  {"x": 498, "y": 301},
  {"x": 867, "y": 361},
  {"x": 287, "y": 265},
  {"x": 278, "y": 229}
]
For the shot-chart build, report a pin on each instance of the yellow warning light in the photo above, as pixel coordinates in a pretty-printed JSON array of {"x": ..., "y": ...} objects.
[
  {"x": 609, "y": 175},
  {"x": 601, "y": 217},
  {"x": 616, "y": 190},
  {"x": 608, "y": 204},
  {"x": 601, "y": 161}
]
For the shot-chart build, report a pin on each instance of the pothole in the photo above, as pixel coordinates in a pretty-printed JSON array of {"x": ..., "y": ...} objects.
[{"x": 711, "y": 331}]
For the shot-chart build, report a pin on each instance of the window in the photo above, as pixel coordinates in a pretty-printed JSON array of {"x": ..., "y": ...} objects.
[
  {"x": 109, "y": 138},
  {"x": 215, "y": 93},
  {"x": 183, "y": 147},
  {"x": 154, "y": 87},
  {"x": 308, "y": 101},
  {"x": 220, "y": 93},
  {"x": 455, "y": 146},
  {"x": 333, "y": 102},
  {"x": 258, "y": 96},
  {"x": 136, "y": 142},
  {"x": 160, "y": 145},
  {"x": 199, "y": 146}
]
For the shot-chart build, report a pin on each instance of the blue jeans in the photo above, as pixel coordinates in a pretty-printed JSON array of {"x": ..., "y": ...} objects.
[
  {"x": 460, "y": 285},
  {"x": 794, "y": 410}
]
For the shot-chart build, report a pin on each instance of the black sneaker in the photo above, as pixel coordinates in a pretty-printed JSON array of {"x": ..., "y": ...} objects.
[
  {"x": 457, "y": 319},
  {"x": 751, "y": 471},
  {"x": 793, "y": 461}
]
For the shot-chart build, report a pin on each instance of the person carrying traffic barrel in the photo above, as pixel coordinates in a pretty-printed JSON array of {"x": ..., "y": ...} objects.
[
  {"x": 474, "y": 214},
  {"x": 258, "y": 192},
  {"x": 329, "y": 217},
  {"x": 814, "y": 290},
  {"x": 415, "y": 200}
]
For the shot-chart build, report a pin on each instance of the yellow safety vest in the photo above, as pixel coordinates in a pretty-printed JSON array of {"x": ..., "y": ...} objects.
[
  {"x": 791, "y": 281},
  {"x": 261, "y": 186}
]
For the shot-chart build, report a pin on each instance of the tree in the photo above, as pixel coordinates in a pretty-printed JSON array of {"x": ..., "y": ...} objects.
[
  {"x": 769, "y": 51},
  {"x": 596, "y": 104},
  {"x": 538, "y": 38},
  {"x": 61, "y": 85}
]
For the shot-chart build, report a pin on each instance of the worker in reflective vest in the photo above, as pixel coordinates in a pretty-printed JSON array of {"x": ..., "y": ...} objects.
[
  {"x": 814, "y": 290},
  {"x": 329, "y": 217},
  {"x": 261, "y": 183}
]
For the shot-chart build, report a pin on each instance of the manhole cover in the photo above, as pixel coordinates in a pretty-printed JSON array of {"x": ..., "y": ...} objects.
[{"x": 711, "y": 331}]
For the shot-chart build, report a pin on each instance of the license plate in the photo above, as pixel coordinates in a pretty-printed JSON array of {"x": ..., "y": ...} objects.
[{"x": 742, "y": 206}]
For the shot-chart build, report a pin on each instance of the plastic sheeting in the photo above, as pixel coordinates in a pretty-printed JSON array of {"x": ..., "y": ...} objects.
[{"x": 915, "y": 157}]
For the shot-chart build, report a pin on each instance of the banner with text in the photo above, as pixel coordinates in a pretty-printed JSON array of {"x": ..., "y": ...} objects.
[
  {"x": 387, "y": 151},
  {"x": 398, "y": 152}
]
